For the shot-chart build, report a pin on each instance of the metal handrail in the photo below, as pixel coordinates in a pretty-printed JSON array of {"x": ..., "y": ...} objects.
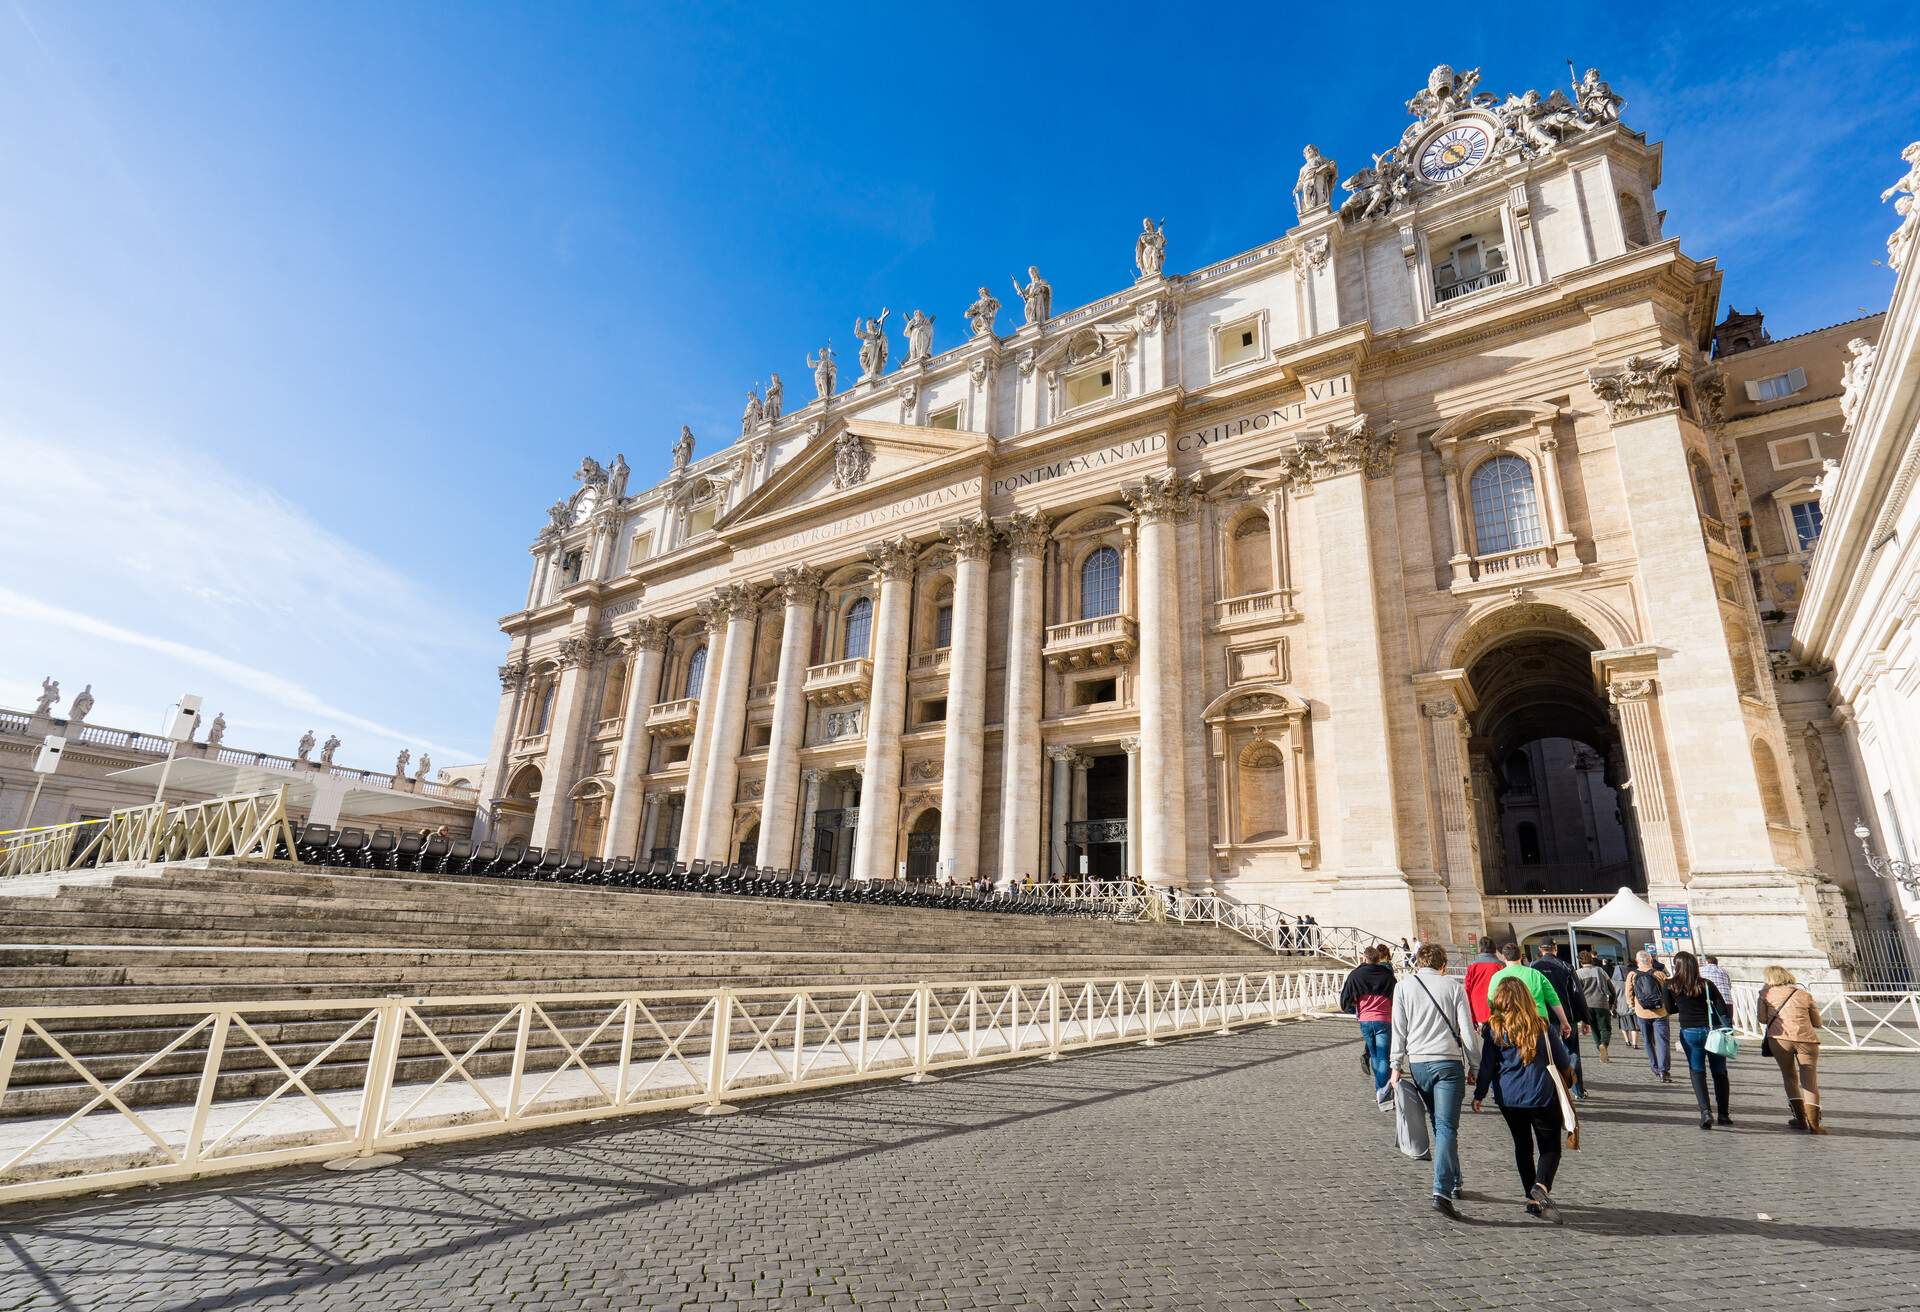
[
  {"x": 568, "y": 1058},
  {"x": 1852, "y": 1020},
  {"x": 1268, "y": 926}
]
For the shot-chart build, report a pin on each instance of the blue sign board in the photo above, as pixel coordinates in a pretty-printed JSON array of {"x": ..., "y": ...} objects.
[{"x": 1676, "y": 928}]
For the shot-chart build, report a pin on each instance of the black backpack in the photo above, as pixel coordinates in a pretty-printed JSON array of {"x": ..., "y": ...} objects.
[{"x": 1647, "y": 991}]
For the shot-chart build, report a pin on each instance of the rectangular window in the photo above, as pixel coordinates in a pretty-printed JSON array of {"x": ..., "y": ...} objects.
[
  {"x": 1777, "y": 386},
  {"x": 701, "y": 520},
  {"x": 676, "y": 753},
  {"x": 1806, "y": 524},
  {"x": 948, "y": 418},
  {"x": 932, "y": 711},
  {"x": 943, "y": 627},
  {"x": 641, "y": 548},
  {"x": 1093, "y": 385},
  {"x": 759, "y": 735},
  {"x": 1236, "y": 343},
  {"x": 1093, "y": 692}
]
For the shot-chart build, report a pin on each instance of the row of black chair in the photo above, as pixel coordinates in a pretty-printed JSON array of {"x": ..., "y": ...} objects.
[{"x": 322, "y": 845}]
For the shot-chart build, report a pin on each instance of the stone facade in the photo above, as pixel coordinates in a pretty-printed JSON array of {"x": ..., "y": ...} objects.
[{"x": 1248, "y": 577}]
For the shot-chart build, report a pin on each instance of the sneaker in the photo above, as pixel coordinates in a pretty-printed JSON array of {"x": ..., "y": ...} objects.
[
  {"x": 1444, "y": 1205},
  {"x": 1544, "y": 1201}
]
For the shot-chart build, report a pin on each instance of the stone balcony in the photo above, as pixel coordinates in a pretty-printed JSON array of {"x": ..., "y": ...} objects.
[
  {"x": 839, "y": 682},
  {"x": 1254, "y": 608},
  {"x": 1089, "y": 644},
  {"x": 609, "y": 728},
  {"x": 929, "y": 662},
  {"x": 674, "y": 719}
]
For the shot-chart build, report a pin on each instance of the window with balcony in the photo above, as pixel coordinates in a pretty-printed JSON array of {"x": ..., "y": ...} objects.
[
  {"x": 696, "y": 672},
  {"x": 857, "y": 633},
  {"x": 1100, "y": 584},
  {"x": 543, "y": 721},
  {"x": 1469, "y": 262},
  {"x": 1506, "y": 513},
  {"x": 1708, "y": 500}
]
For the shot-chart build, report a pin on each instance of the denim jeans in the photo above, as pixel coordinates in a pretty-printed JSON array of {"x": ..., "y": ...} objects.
[
  {"x": 1656, "y": 1035},
  {"x": 1444, "y": 1085},
  {"x": 1378, "y": 1036},
  {"x": 1693, "y": 1042}
]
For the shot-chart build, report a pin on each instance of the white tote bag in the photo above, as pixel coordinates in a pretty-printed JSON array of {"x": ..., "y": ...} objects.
[{"x": 1410, "y": 1120}]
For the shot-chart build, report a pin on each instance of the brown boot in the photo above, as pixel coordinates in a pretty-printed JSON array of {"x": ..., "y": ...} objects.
[
  {"x": 1799, "y": 1121},
  {"x": 1814, "y": 1125}
]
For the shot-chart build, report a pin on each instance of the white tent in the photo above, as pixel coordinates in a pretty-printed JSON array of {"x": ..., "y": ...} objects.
[{"x": 1626, "y": 911}]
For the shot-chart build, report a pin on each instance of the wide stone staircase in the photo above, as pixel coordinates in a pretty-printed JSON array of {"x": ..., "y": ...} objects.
[{"x": 226, "y": 931}]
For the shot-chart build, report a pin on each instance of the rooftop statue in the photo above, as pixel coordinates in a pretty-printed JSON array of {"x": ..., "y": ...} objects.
[
  {"x": 49, "y": 694},
  {"x": 617, "y": 475},
  {"x": 873, "y": 346},
  {"x": 1313, "y": 191},
  {"x": 683, "y": 449},
  {"x": 823, "y": 371},
  {"x": 750, "y": 418},
  {"x": 1150, "y": 248},
  {"x": 217, "y": 731},
  {"x": 77, "y": 713},
  {"x": 919, "y": 330},
  {"x": 426, "y": 764},
  {"x": 1036, "y": 296},
  {"x": 776, "y": 395},
  {"x": 1905, "y": 195},
  {"x": 1853, "y": 383},
  {"x": 307, "y": 741},
  {"x": 1540, "y": 125},
  {"x": 1597, "y": 102},
  {"x": 400, "y": 763},
  {"x": 1447, "y": 94},
  {"x": 982, "y": 313},
  {"x": 328, "y": 748}
]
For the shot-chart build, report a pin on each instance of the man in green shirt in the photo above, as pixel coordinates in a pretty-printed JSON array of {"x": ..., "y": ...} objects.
[{"x": 1546, "y": 999}]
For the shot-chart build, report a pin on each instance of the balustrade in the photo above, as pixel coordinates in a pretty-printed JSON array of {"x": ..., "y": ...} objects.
[
  {"x": 1108, "y": 640},
  {"x": 840, "y": 681},
  {"x": 675, "y": 718},
  {"x": 1275, "y": 603}
]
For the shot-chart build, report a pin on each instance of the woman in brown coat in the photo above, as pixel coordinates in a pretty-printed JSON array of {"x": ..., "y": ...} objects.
[{"x": 1790, "y": 1020}]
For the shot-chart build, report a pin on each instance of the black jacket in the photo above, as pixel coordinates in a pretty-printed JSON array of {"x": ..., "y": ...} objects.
[
  {"x": 1560, "y": 975},
  {"x": 1368, "y": 979}
]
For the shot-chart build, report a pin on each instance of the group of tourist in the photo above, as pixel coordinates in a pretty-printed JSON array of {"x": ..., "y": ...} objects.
[{"x": 1516, "y": 1027}]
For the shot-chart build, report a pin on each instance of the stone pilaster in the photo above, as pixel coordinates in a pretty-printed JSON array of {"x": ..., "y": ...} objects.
[
  {"x": 877, "y": 837},
  {"x": 809, "y": 805},
  {"x": 647, "y": 639},
  {"x": 559, "y": 772},
  {"x": 1633, "y": 692},
  {"x": 687, "y": 842},
  {"x": 1446, "y": 701},
  {"x": 1026, "y": 538},
  {"x": 1159, "y": 504},
  {"x": 726, "y": 712},
  {"x": 650, "y": 825},
  {"x": 964, "y": 765},
  {"x": 799, "y": 589},
  {"x": 1131, "y": 746},
  {"x": 513, "y": 688},
  {"x": 1059, "y": 807}
]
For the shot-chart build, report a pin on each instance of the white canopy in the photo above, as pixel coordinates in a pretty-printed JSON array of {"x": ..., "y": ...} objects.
[{"x": 1626, "y": 911}]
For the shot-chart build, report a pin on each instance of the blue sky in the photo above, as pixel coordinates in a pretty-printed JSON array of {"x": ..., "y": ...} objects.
[{"x": 308, "y": 311}]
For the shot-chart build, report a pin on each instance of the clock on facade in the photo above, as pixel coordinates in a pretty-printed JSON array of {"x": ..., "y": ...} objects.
[{"x": 1456, "y": 152}]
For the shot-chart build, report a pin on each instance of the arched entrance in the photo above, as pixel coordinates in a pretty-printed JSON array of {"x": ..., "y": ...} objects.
[
  {"x": 923, "y": 846},
  {"x": 1549, "y": 776},
  {"x": 748, "y": 847},
  {"x": 513, "y": 813}
]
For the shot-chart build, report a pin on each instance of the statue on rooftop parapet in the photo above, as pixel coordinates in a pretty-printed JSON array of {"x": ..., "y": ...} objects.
[
  {"x": 823, "y": 371},
  {"x": 755, "y": 412},
  {"x": 1036, "y": 296},
  {"x": 328, "y": 748},
  {"x": 49, "y": 695},
  {"x": 400, "y": 763},
  {"x": 1539, "y": 124},
  {"x": 873, "y": 346},
  {"x": 217, "y": 731},
  {"x": 683, "y": 449},
  {"x": 307, "y": 741},
  {"x": 1905, "y": 195},
  {"x": 77, "y": 713},
  {"x": 426, "y": 764},
  {"x": 982, "y": 313},
  {"x": 1597, "y": 102},
  {"x": 558, "y": 519},
  {"x": 919, "y": 330},
  {"x": 617, "y": 476},
  {"x": 1853, "y": 381},
  {"x": 1313, "y": 190},
  {"x": 1150, "y": 248},
  {"x": 776, "y": 397},
  {"x": 1446, "y": 94}
]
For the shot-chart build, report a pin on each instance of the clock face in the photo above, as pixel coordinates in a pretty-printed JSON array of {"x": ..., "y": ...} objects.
[{"x": 1456, "y": 152}]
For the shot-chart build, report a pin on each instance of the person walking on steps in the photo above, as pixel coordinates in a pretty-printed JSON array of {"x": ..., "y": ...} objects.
[
  {"x": 1480, "y": 973},
  {"x": 1573, "y": 1004},
  {"x": 1519, "y": 1058},
  {"x": 1435, "y": 1043},
  {"x": 1789, "y": 1019},
  {"x": 1700, "y": 1007},
  {"x": 1647, "y": 988},
  {"x": 1596, "y": 986},
  {"x": 1368, "y": 995}
]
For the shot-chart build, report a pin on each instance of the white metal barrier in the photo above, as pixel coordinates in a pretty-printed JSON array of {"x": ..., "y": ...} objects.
[
  {"x": 244, "y": 824},
  {"x": 273, "y": 1083},
  {"x": 1852, "y": 1020},
  {"x": 1265, "y": 925}
]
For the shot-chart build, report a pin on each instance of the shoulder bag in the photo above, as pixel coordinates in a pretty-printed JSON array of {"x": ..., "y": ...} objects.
[
  {"x": 1721, "y": 1040},
  {"x": 1568, "y": 1118}
]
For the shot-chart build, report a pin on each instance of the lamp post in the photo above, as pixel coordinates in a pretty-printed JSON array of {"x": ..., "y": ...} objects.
[{"x": 1900, "y": 872}]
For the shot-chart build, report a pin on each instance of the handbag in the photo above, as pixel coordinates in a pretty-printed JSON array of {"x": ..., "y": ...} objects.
[
  {"x": 1766, "y": 1031},
  {"x": 1568, "y": 1118},
  {"x": 1721, "y": 1040},
  {"x": 1410, "y": 1121}
]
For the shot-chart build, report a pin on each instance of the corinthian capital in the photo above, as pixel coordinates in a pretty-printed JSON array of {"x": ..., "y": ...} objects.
[
  {"x": 647, "y": 634},
  {"x": 798, "y": 585},
  {"x": 1644, "y": 385},
  {"x": 1025, "y": 532},
  {"x": 512, "y": 675},
  {"x": 970, "y": 539},
  {"x": 1341, "y": 448},
  {"x": 1163, "y": 496},
  {"x": 893, "y": 558}
]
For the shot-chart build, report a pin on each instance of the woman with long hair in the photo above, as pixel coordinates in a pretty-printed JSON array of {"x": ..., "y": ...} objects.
[
  {"x": 1790, "y": 1020},
  {"x": 1701, "y": 1008},
  {"x": 1519, "y": 1060}
]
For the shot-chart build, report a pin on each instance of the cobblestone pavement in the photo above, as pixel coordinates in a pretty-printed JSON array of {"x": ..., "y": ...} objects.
[{"x": 1221, "y": 1172}]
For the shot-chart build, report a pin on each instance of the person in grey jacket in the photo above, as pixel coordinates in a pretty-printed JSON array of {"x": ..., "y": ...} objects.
[{"x": 1434, "y": 1043}]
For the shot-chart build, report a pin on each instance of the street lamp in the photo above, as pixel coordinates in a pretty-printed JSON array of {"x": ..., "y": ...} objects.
[{"x": 1901, "y": 872}]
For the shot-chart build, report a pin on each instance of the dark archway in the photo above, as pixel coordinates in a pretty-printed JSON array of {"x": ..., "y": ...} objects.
[{"x": 923, "y": 847}]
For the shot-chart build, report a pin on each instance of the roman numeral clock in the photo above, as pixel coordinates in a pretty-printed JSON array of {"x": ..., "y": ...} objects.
[{"x": 1456, "y": 152}]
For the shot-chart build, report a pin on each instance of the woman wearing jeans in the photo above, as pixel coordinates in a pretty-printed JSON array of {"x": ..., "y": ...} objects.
[
  {"x": 1699, "y": 1007},
  {"x": 1513, "y": 1060},
  {"x": 1368, "y": 995}
]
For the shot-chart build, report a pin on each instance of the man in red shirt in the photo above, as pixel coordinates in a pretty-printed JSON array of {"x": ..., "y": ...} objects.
[{"x": 1480, "y": 972}]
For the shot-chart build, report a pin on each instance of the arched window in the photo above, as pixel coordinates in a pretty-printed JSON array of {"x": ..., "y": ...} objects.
[
  {"x": 1766, "y": 772},
  {"x": 1251, "y": 559},
  {"x": 613, "y": 697},
  {"x": 696, "y": 672},
  {"x": 1703, "y": 488},
  {"x": 1633, "y": 221},
  {"x": 1100, "y": 584},
  {"x": 1263, "y": 792},
  {"x": 943, "y": 617},
  {"x": 1519, "y": 773},
  {"x": 857, "y": 642},
  {"x": 545, "y": 719},
  {"x": 1505, "y": 515}
]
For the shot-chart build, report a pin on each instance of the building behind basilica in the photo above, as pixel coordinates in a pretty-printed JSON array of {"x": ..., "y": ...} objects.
[{"x": 1399, "y": 571}]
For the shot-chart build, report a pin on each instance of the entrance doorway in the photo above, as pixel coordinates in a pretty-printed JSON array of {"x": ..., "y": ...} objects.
[
  {"x": 1101, "y": 834},
  {"x": 923, "y": 847}
]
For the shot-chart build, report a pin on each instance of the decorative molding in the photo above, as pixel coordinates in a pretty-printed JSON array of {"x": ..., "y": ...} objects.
[
  {"x": 513, "y": 675},
  {"x": 1025, "y": 532},
  {"x": 893, "y": 558},
  {"x": 1645, "y": 385},
  {"x": 1443, "y": 708},
  {"x": 585, "y": 653},
  {"x": 925, "y": 771},
  {"x": 970, "y": 539},
  {"x": 1163, "y": 497},
  {"x": 1342, "y": 448},
  {"x": 1630, "y": 690},
  {"x": 647, "y": 634},
  {"x": 798, "y": 585},
  {"x": 852, "y": 461}
]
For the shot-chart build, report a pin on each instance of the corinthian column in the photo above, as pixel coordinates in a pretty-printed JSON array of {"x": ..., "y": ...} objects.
[
  {"x": 1445, "y": 702},
  {"x": 560, "y": 768},
  {"x": 1026, "y": 537},
  {"x": 648, "y": 640},
  {"x": 877, "y": 837},
  {"x": 1633, "y": 695},
  {"x": 726, "y": 712},
  {"x": 513, "y": 685},
  {"x": 687, "y": 842},
  {"x": 1159, "y": 504},
  {"x": 799, "y": 587},
  {"x": 964, "y": 766}
]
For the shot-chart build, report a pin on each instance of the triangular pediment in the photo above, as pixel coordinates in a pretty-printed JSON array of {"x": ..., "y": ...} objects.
[{"x": 824, "y": 474}]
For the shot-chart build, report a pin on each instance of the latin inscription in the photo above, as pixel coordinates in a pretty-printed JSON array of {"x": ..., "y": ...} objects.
[
  {"x": 1080, "y": 464},
  {"x": 1266, "y": 420},
  {"x": 853, "y": 525}
]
